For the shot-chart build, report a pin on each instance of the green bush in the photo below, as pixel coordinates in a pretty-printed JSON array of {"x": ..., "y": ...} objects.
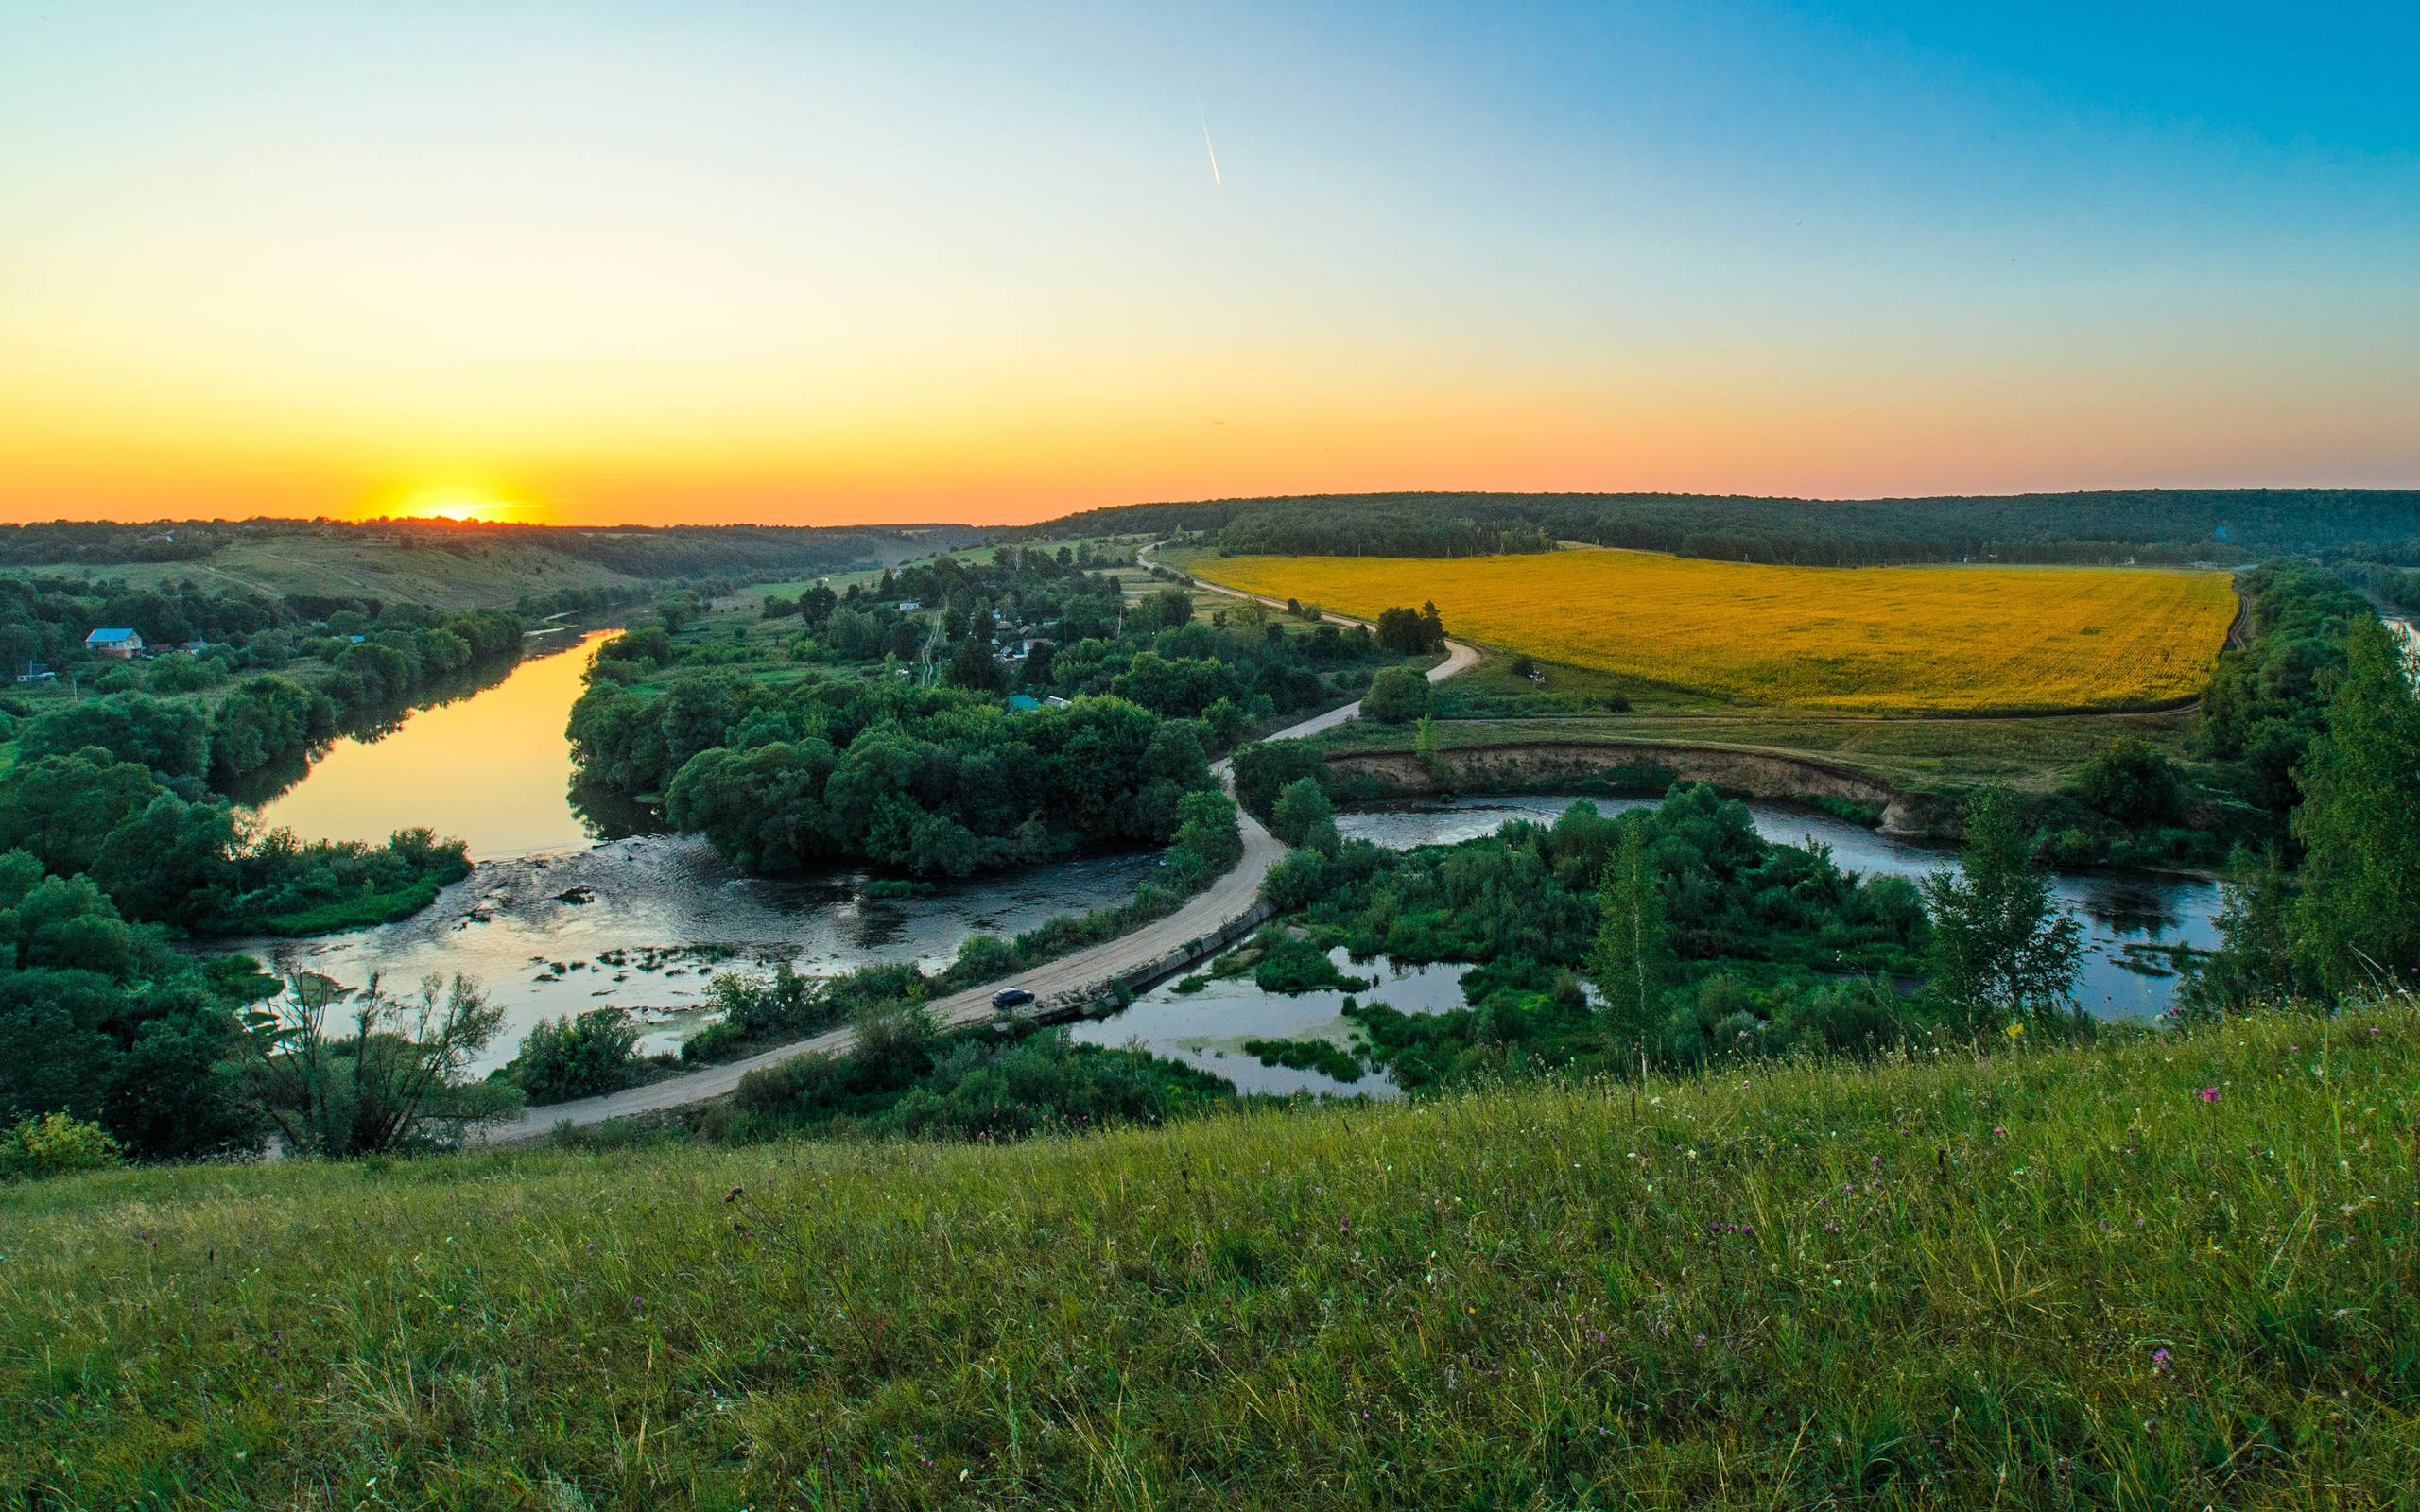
[
  {"x": 569, "y": 1058},
  {"x": 55, "y": 1144},
  {"x": 1397, "y": 695}
]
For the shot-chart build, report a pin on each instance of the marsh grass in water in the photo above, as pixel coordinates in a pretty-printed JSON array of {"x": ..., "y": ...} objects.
[{"x": 2168, "y": 1271}]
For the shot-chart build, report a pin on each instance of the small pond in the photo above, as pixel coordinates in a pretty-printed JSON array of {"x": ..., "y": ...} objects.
[{"x": 1206, "y": 1028}]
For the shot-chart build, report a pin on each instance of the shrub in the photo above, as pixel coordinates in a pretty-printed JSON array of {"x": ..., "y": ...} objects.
[
  {"x": 2130, "y": 780},
  {"x": 1397, "y": 695},
  {"x": 55, "y": 1144},
  {"x": 569, "y": 1058},
  {"x": 1302, "y": 812}
]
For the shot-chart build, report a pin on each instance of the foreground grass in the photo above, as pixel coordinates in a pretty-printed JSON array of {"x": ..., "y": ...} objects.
[{"x": 2058, "y": 1279}]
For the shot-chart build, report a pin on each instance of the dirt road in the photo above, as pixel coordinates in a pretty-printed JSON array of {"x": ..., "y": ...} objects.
[{"x": 1204, "y": 914}]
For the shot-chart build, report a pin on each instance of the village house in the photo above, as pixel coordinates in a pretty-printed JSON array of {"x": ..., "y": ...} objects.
[{"x": 122, "y": 644}]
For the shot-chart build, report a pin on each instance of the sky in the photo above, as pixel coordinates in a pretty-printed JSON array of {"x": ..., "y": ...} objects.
[{"x": 598, "y": 263}]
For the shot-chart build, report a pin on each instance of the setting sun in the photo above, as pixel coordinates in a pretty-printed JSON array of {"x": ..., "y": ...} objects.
[{"x": 466, "y": 505}]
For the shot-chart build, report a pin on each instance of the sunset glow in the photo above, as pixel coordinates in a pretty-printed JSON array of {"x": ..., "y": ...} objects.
[
  {"x": 780, "y": 264},
  {"x": 460, "y": 504}
]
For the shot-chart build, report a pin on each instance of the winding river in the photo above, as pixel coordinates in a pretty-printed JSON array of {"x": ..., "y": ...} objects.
[
  {"x": 564, "y": 911},
  {"x": 561, "y": 912}
]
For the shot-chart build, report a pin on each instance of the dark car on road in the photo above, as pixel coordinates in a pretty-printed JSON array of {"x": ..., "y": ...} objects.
[{"x": 1011, "y": 997}]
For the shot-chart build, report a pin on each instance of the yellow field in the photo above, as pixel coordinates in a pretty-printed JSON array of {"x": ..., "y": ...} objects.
[{"x": 1876, "y": 638}]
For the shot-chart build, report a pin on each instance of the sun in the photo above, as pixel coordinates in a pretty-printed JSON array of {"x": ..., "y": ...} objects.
[{"x": 457, "y": 502}]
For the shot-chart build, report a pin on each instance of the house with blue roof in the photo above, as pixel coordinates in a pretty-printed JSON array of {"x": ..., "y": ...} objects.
[{"x": 113, "y": 641}]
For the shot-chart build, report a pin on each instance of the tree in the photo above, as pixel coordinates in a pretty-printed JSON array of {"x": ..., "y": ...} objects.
[
  {"x": 1400, "y": 631},
  {"x": 1207, "y": 840},
  {"x": 61, "y": 808},
  {"x": 2358, "y": 921},
  {"x": 761, "y": 807},
  {"x": 1303, "y": 817},
  {"x": 2001, "y": 948},
  {"x": 976, "y": 667},
  {"x": 1264, "y": 767},
  {"x": 102, "y": 1021},
  {"x": 2254, "y": 964},
  {"x": 1168, "y": 607},
  {"x": 172, "y": 739},
  {"x": 2132, "y": 781},
  {"x": 1631, "y": 961},
  {"x": 1396, "y": 696},
  {"x": 394, "y": 1082},
  {"x": 173, "y": 860},
  {"x": 568, "y": 1057}
]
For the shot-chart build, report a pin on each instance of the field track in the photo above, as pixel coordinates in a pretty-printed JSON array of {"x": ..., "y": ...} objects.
[{"x": 1203, "y": 915}]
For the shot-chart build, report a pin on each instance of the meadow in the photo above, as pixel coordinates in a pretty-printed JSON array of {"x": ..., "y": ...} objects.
[
  {"x": 2161, "y": 1271},
  {"x": 479, "y": 573},
  {"x": 1874, "y": 639}
]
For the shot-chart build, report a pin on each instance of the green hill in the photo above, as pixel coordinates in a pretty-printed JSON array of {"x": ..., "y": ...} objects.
[
  {"x": 2223, "y": 525},
  {"x": 441, "y": 563},
  {"x": 2174, "y": 1270},
  {"x": 479, "y": 575}
]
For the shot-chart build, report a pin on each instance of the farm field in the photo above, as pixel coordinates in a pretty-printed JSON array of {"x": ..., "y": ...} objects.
[{"x": 1878, "y": 640}]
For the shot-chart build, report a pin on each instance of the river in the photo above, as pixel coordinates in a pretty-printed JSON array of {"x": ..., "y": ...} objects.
[
  {"x": 491, "y": 770},
  {"x": 558, "y": 916},
  {"x": 2131, "y": 922}
]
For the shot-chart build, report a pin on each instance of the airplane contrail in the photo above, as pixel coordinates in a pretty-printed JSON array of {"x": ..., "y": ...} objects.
[{"x": 1215, "y": 180}]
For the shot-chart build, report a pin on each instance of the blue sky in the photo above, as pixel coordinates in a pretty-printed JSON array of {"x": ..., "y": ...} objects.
[{"x": 733, "y": 261}]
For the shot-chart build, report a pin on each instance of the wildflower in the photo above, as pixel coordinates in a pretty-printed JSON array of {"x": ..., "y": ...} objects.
[
  {"x": 2209, "y": 1095},
  {"x": 2015, "y": 1032},
  {"x": 2160, "y": 1360}
]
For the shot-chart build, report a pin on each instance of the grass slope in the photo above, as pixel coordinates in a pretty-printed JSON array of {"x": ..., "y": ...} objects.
[
  {"x": 2055, "y": 1278},
  {"x": 1878, "y": 640},
  {"x": 473, "y": 573}
]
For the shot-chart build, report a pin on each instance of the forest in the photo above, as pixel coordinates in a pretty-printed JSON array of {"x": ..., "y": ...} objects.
[
  {"x": 2220, "y": 525},
  {"x": 948, "y": 717},
  {"x": 654, "y": 552}
]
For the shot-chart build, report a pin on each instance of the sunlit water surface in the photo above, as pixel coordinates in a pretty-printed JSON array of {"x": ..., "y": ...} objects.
[{"x": 551, "y": 921}]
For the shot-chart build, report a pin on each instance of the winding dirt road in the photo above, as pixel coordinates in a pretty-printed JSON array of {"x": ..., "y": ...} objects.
[{"x": 1204, "y": 914}]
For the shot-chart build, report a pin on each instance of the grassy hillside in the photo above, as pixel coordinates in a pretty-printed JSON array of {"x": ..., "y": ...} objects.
[
  {"x": 473, "y": 573},
  {"x": 2175, "y": 1271},
  {"x": 445, "y": 565}
]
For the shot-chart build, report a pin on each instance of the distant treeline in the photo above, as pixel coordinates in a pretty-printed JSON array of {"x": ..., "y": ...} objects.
[
  {"x": 2151, "y": 525},
  {"x": 2397, "y": 587},
  {"x": 638, "y": 551}
]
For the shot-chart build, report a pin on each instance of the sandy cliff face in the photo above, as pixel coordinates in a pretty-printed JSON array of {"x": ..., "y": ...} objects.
[{"x": 1645, "y": 767}]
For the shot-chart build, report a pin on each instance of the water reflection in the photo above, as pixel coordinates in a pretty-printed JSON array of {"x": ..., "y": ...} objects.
[
  {"x": 1206, "y": 1028},
  {"x": 489, "y": 766},
  {"x": 2131, "y": 920},
  {"x": 643, "y": 924}
]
